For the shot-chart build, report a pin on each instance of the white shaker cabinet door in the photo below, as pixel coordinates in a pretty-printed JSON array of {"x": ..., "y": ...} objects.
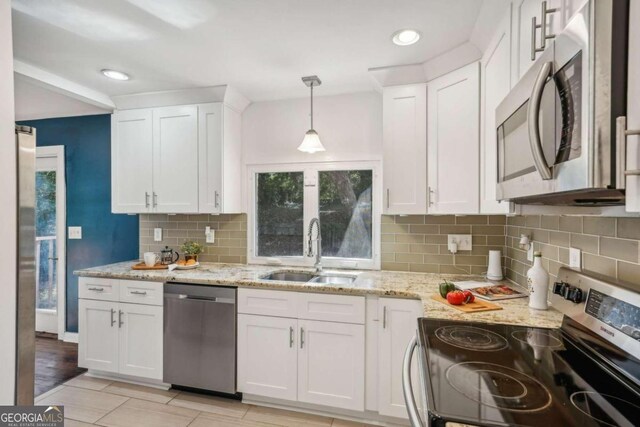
[
  {"x": 140, "y": 340},
  {"x": 131, "y": 161},
  {"x": 404, "y": 139},
  {"x": 331, "y": 364},
  {"x": 633, "y": 108},
  {"x": 495, "y": 78},
  {"x": 98, "y": 335},
  {"x": 210, "y": 140},
  {"x": 267, "y": 356},
  {"x": 454, "y": 142},
  {"x": 175, "y": 159},
  {"x": 397, "y": 323}
]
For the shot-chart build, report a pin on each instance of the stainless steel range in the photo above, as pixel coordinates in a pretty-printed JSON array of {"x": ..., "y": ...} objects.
[{"x": 586, "y": 373}]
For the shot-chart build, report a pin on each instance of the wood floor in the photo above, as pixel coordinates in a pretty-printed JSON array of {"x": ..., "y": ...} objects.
[
  {"x": 56, "y": 362},
  {"x": 93, "y": 401}
]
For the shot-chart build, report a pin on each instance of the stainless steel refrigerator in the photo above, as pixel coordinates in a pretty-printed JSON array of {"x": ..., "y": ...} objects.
[{"x": 26, "y": 279}]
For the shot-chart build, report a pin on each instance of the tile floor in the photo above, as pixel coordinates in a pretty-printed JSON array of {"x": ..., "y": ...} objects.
[{"x": 92, "y": 401}]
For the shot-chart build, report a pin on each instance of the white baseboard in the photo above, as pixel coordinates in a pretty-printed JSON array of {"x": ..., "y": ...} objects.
[{"x": 70, "y": 337}]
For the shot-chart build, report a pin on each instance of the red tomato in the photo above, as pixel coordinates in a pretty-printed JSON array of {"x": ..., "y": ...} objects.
[
  {"x": 468, "y": 297},
  {"x": 455, "y": 297}
]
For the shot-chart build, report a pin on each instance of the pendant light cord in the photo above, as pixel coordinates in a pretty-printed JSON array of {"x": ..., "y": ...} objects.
[{"x": 311, "y": 105}]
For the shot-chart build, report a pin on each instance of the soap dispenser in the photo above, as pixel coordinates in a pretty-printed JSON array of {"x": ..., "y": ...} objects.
[{"x": 538, "y": 282}]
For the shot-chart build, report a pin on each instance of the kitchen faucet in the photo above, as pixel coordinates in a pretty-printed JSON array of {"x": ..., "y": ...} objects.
[{"x": 318, "y": 264}]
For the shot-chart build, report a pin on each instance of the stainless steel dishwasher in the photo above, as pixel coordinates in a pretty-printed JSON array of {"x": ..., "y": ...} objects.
[{"x": 200, "y": 337}]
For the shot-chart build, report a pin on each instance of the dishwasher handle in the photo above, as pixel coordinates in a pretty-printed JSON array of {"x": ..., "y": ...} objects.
[{"x": 201, "y": 298}]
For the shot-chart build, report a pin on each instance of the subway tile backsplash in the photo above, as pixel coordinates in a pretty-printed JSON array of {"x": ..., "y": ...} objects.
[
  {"x": 230, "y": 235},
  {"x": 418, "y": 243},
  {"x": 609, "y": 246}
]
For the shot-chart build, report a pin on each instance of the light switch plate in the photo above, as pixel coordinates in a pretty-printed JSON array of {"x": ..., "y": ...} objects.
[
  {"x": 75, "y": 233},
  {"x": 157, "y": 234},
  {"x": 530, "y": 252},
  {"x": 462, "y": 240},
  {"x": 575, "y": 256}
]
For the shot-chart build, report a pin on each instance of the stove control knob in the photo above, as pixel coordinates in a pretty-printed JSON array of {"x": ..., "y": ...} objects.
[
  {"x": 566, "y": 290},
  {"x": 558, "y": 288},
  {"x": 575, "y": 295}
]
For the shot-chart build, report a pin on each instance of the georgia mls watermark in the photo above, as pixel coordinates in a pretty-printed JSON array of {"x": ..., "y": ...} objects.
[{"x": 32, "y": 416}]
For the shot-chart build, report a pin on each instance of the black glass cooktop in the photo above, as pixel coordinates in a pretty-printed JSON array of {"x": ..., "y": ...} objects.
[{"x": 497, "y": 375}]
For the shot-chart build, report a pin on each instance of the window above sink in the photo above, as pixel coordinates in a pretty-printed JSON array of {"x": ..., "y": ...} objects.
[{"x": 344, "y": 196}]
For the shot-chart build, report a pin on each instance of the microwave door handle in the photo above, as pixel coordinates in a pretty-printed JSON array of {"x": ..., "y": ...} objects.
[{"x": 533, "y": 121}]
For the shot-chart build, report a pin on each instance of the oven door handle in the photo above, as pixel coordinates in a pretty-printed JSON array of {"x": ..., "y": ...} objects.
[
  {"x": 407, "y": 388},
  {"x": 533, "y": 120}
]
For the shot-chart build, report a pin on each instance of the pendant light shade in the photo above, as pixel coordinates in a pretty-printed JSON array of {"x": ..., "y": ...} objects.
[{"x": 311, "y": 142}]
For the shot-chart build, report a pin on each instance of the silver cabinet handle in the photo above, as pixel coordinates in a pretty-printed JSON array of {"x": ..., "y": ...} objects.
[
  {"x": 113, "y": 320},
  {"x": 621, "y": 146},
  {"x": 534, "y": 48},
  {"x": 155, "y": 199},
  {"x": 544, "y": 36},
  {"x": 407, "y": 388},
  {"x": 120, "y": 322},
  {"x": 388, "y": 198},
  {"x": 384, "y": 317},
  {"x": 138, "y": 292},
  {"x": 533, "y": 117},
  {"x": 301, "y": 337},
  {"x": 217, "y": 199},
  {"x": 146, "y": 199},
  {"x": 95, "y": 289},
  {"x": 430, "y": 192},
  {"x": 290, "y": 336}
]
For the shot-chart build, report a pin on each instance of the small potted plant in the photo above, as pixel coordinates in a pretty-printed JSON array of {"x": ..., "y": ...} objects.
[{"x": 191, "y": 250}]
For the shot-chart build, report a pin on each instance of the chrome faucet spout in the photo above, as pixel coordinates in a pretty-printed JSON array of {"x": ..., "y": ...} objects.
[{"x": 318, "y": 239}]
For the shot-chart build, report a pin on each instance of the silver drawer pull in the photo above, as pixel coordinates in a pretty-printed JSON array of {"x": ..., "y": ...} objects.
[
  {"x": 139, "y": 292},
  {"x": 96, "y": 289}
]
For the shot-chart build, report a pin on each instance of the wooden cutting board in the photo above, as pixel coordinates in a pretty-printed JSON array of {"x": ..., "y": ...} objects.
[
  {"x": 143, "y": 266},
  {"x": 474, "y": 307}
]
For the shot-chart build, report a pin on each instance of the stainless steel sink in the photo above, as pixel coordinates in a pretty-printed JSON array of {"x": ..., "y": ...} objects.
[
  {"x": 289, "y": 276},
  {"x": 329, "y": 279}
]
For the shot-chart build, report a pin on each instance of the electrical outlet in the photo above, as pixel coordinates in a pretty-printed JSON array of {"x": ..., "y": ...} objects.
[
  {"x": 210, "y": 235},
  {"x": 75, "y": 233},
  {"x": 157, "y": 234},
  {"x": 462, "y": 240},
  {"x": 575, "y": 256}
]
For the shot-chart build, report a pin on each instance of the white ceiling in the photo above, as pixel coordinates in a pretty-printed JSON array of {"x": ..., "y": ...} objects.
[
  {"x": 36, "y": 102},
  {"x": 262, "y": 47}
]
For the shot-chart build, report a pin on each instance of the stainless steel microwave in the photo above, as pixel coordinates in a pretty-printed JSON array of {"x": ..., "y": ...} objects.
[{"x": 556, "y": 127}]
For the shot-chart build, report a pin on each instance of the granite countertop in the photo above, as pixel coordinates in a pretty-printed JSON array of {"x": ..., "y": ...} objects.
[{"x": 382, "y": 283}]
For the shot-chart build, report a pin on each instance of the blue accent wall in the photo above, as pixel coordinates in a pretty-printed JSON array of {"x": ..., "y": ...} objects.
[{"x": 106, "y": 237}]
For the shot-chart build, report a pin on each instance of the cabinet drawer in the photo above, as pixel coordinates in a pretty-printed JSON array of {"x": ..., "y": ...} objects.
[
  {"x": 267, "y": 303},
  {"x": 332, "y": 308},
  {"x": 97, "y": 288},
  {"x": 140, "y": 292}
]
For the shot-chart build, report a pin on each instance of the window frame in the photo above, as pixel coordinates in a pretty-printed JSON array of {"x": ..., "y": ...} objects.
[{"x": 311, "y": 208}]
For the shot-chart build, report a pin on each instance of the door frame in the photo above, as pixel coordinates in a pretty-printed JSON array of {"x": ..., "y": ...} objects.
[{"x": 57, "y": 152}]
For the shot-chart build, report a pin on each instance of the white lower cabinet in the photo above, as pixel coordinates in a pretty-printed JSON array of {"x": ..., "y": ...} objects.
[
  {"x": 331, "y": 364},
  {"x": 140, "y": 340},
  {"x": 397, "y": 324},
  {"x": 120, "y": 337},
  {"x": 98, "y": 335},
  {"x": 267, "y": 356}
]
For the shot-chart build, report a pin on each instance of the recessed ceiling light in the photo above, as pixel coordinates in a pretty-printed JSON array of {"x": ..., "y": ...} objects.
[
  {"x": 405, "y": 37},
  {"x": 115, "y": 75}
]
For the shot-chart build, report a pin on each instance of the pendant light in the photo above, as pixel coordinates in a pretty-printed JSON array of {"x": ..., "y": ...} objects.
[{"x": 311, "y": 142}]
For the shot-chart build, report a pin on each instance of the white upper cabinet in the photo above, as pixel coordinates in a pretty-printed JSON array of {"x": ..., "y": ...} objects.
[
  {"x": 131, "y": 161},
  {"x": 220, "y": 151},
  {"x": 527, "y": 39},
  {"x": 405, "y": 149},
  {"x": 633, "y": 108},
  {"x": 495, "y": 82},
  {"x": 453, "y": 142},
  {"x": 175, "y": 159}
]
